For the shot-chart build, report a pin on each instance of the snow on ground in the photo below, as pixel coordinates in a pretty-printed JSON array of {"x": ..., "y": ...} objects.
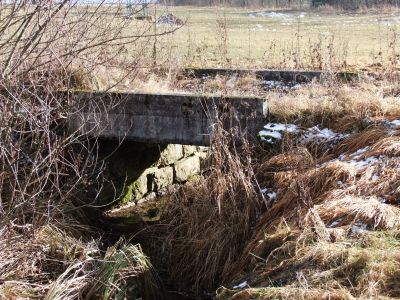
[
  {"x": 274, "y": 131},
  {"x": 335, "y": 223},
  {"x": 272, "y": 14},
  {"x": 270, "y": 136},
  {"x": 277, "y": 84},
  {"x": 359, "y": 228},
  {"x": 271, "y": 195},
  {"x": 394, "y": 123},
  {"x": 278, "y": 15},
  {"x": 241, "y": 285},
  {"x": 363, "y": 163},
  {"x": 290, "y": 128},
  {"x": 315, "y": 134}
]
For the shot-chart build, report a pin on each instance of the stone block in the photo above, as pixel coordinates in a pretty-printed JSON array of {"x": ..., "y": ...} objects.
[
  {"x": 171, "y": 154},
  {"x": 186, "y": 168},
  {"x": 202, "y": 149},
  {"x": 161, "y": 178},
  {"x": 202, "y": 154},
  {"x": 140, "y": 187},
  {"x": 188, "y": 150}
]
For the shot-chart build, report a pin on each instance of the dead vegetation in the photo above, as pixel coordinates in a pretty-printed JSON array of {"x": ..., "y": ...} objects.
[
  {"x": 208, "y": 221},
  {"x": 332, "y": 232},
  {"x": 325, "y": 227},
  {"x": 48, "y": 246},
  {"x": 314, "y": 220}
]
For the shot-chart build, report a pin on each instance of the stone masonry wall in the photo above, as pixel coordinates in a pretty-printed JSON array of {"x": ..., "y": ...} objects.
[{"x": 176, "y": 164}]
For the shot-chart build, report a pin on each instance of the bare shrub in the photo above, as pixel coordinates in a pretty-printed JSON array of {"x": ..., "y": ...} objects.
[{"x": 44, "y": 167}]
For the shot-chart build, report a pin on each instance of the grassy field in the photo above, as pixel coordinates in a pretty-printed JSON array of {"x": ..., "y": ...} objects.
[{"x": 259, "y": 38}]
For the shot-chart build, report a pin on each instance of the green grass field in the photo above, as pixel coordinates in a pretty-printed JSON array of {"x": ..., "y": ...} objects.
[{"x": 260, "y": 38}]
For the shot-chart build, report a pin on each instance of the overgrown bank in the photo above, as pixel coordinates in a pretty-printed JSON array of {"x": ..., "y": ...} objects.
[
  {"x": 313, "y": 213},
  {"x": 310, "y": 213},
  {"x": 326, "y": 225}
]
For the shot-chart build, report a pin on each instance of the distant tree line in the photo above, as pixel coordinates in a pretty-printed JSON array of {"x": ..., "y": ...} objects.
[{"x": 344, "y": 4}]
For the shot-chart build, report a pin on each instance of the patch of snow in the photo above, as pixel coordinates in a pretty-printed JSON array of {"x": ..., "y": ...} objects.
[
  {"x": 335, "y": 223},
  {"x": 359, "y": 164},
  {"x": 315, "y": 134},
  {"x": 277, "y": 84},
  {"x": 375, "y": 177},
  {"x": 324, "y": 133},
  {"x": 269, "y": 133},
  {"x": 394, "y": 123},
  {"x": 272, "y": 196},
  {"x": 355, "y": 159},
  {"x": 46, "y": 248},
  {"x": 273, "y": 131},
  {"x": 359, "y": 228},
  {"x": 241, "y": 285},
  {"x": 357, "y": 154},
  {"x": 273, "y": 14}
]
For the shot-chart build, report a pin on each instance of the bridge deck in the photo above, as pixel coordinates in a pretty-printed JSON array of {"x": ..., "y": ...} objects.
[{"x": 156, "y": 118}]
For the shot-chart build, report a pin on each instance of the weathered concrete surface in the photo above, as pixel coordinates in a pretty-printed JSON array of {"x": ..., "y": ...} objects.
[
  {"x": 166, "y": 119},
  {"x": 275, "y": 75}
]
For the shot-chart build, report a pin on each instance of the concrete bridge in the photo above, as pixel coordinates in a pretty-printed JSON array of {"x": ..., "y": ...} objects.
[
  {"x": 177, "y": 118},
  {"x": 162, "y": 118}
]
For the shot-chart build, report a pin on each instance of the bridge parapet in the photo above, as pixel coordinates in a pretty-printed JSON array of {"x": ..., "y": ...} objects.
[{"x": 162, "y": 118}]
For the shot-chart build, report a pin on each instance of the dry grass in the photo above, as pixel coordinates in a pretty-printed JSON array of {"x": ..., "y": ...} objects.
[
  {"x": 281, "y": 39},
  {"x": 53, "y": 264},
  {"x": 208, "y": 221},
  {"x": 47, "y": 248},
  {"x": 332, "y": 232},
  {"x": 368, "y": 211}
]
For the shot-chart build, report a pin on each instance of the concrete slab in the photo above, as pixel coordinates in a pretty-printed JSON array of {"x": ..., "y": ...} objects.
[{"x": 161, "y": 118}]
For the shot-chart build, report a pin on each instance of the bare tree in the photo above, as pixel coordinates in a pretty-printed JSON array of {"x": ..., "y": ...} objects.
[{"x": 47, "y": 47}]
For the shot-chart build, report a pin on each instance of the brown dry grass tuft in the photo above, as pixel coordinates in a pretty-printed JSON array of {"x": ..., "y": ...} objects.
[
  {"x": 302, "y": 189},
  {"x": 359, "y": 141},
  {"x": 35, "y": 267},
  {"x": 369, "y": 211}
]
